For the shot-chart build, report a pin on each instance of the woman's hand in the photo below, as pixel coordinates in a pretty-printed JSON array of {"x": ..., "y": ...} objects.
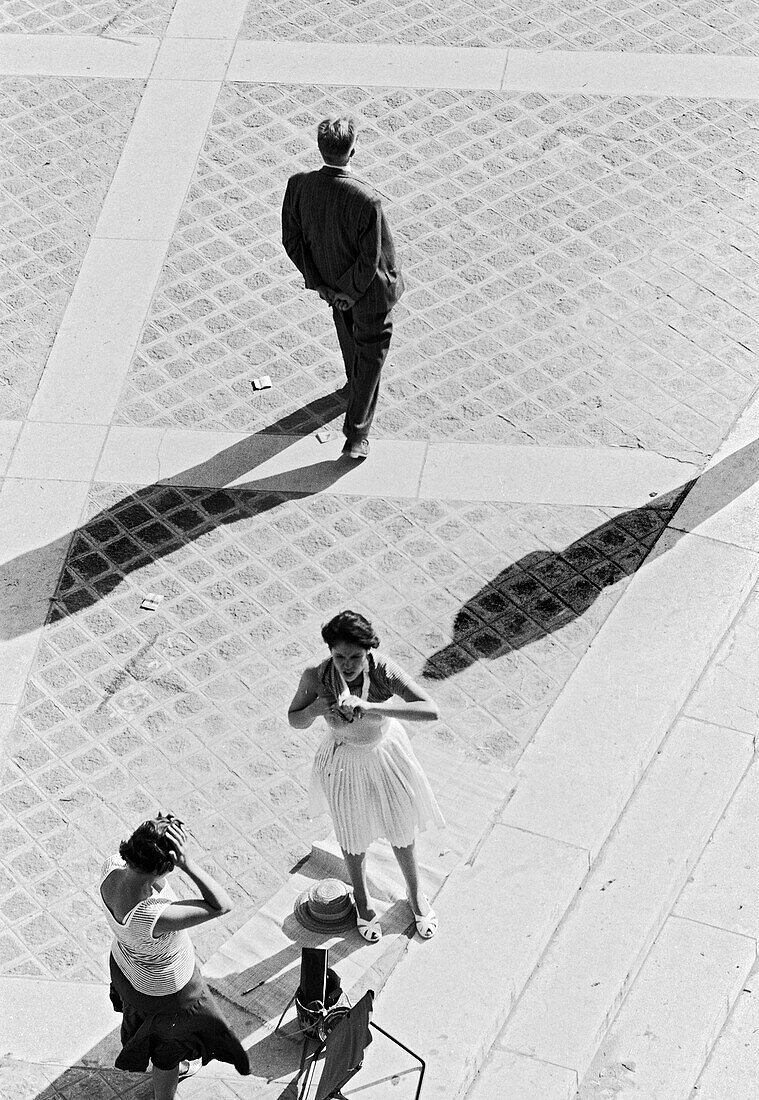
[
  {"x": 176, "y": 834},
  {"x": 354, "y": 706},
  {"x": 341, "y": 711}
]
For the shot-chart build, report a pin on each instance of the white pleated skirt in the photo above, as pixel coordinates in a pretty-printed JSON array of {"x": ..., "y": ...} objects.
[{"x": 373, "y": 790}]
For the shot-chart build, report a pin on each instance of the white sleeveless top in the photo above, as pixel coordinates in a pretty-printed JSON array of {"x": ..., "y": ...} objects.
[{"x": 155, "y": 965}]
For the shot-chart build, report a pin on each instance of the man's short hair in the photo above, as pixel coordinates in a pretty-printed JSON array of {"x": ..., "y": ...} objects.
[{"x": 335, "y": 137}]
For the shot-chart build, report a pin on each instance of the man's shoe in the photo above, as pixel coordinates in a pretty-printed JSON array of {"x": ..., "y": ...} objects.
[{"x": 359, "y": 448}]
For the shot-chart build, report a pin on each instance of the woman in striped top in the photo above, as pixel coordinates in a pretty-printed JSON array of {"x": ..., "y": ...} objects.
[
  {"x": 365, "y": 771},
  {"x": 169, "y": 1016}
]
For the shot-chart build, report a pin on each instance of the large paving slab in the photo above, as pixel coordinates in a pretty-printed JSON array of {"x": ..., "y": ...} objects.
[
  {"x": 680, "y": 999},
  {"x": 726, "y": 693},
  {"x": 592, "y": 961},
  {"x": 76, "y": 55},
  {"x": 731, "y": 1068},
  {"x": 507, "y": 900},
  {"x": 607, "y": 725},
  {"x": 721, "y": 889},
  {"x": 581, "y": 270}
]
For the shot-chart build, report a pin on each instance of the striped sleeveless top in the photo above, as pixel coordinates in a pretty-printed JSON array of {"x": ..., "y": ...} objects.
[{"x": 155, "y": 965}]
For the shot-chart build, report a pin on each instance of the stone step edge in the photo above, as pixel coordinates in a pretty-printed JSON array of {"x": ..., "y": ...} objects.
[
  {"x": 498, "y": 911},
  {"x": 459, "y": 1089},
  {"x": 567, "y": 1081},
  {"x": 741, "y": 947},
  {"x": 511, "y": 1076},
  {"x": 663, "y": 912}
]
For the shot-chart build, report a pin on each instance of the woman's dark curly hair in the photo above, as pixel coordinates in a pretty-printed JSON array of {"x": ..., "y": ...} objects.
[
  {"x": 148, "y": 849},
  {"x": 351, "y": 627}
]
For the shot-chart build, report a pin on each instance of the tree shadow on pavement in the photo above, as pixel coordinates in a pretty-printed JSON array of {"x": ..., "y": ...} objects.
[
  {"x": 156, "y": 520},
  {"x": 545, "y": 591}
]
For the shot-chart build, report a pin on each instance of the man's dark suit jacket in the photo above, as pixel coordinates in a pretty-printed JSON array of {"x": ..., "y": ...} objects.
[{"x": 335, "y": 233}]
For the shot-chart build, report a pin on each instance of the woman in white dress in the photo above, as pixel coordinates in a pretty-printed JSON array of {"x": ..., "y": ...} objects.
[{"x": 365, "y": 770}]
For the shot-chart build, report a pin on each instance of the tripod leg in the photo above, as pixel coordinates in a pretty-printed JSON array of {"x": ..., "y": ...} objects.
[{"x": 276, "y": 1029}]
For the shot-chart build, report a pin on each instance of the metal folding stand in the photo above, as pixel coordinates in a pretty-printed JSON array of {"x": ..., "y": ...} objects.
[{"x": 343, "y": 1049}]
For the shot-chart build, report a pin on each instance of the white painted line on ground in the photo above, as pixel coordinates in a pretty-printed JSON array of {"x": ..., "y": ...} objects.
[
  {"x": 385, "y": 65},
  {"x": 17, "y": 653},
  {"x": 157, "y": 161},
  {"x": 192, "y": 59},
  {"x": 67, "y": 1035},
  {"x": 37, "y": 519},
  {"x": 8, "y": 714},
  {"x": 100, "y": 328},
  {"x": 615, "y": 73},
  {"x": 77, "y": 55},
  {"x": 96, "y": 339},
  {"x": 56, "y": 452},
  {"x": 560, "y": 72},
  {"x": 610, "y": 477},
  {"x": 615, "y": 477}
]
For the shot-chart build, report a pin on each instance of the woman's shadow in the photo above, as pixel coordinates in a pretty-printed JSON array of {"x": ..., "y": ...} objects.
[
  {"x": 158, "y": 519},
  {"x": 545, "y": 591},
  {"x": 253, "y": 1001}
]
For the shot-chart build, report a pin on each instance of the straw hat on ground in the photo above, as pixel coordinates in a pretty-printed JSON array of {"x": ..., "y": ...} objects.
[{"x": 326, "y": 907}]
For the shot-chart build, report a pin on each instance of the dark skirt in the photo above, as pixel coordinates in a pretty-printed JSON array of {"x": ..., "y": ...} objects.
[{"x": 166, "y": 1030}]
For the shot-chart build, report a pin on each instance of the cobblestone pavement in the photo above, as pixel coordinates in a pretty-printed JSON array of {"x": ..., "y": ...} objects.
[
  {"x": 85, "y": 16},
  {"x": 679, "y": 26},
  {"x": 581, "y": 270},
  {"x": 127, "y": 709},
  {"x": 60, "y": 140}
]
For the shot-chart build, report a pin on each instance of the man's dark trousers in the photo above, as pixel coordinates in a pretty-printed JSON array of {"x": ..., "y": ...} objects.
[
  {"x": 335, "y": 232},
  {"x": 364, "y": 339}
]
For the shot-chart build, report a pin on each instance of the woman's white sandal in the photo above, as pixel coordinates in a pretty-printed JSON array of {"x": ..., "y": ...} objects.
[
  {"x": 188, "y": 1067},
  {"x": 426, "y": 925},
  {"x": 371, "y": 930}
]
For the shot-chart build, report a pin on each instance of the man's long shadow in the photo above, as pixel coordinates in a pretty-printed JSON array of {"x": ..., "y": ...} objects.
[
  {"x": 158, "y": 519},
  {"x": 530, "y": 599},
  {"x": 545, "y": 591}
]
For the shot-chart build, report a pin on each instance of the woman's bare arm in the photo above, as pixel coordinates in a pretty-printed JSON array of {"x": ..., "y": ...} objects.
[
  {"x": 214, "y": 900},
  {"x": 307, "y": 705}
]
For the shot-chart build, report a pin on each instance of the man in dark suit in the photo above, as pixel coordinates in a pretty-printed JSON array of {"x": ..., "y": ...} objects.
[{"x": 335, "y": 232}]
